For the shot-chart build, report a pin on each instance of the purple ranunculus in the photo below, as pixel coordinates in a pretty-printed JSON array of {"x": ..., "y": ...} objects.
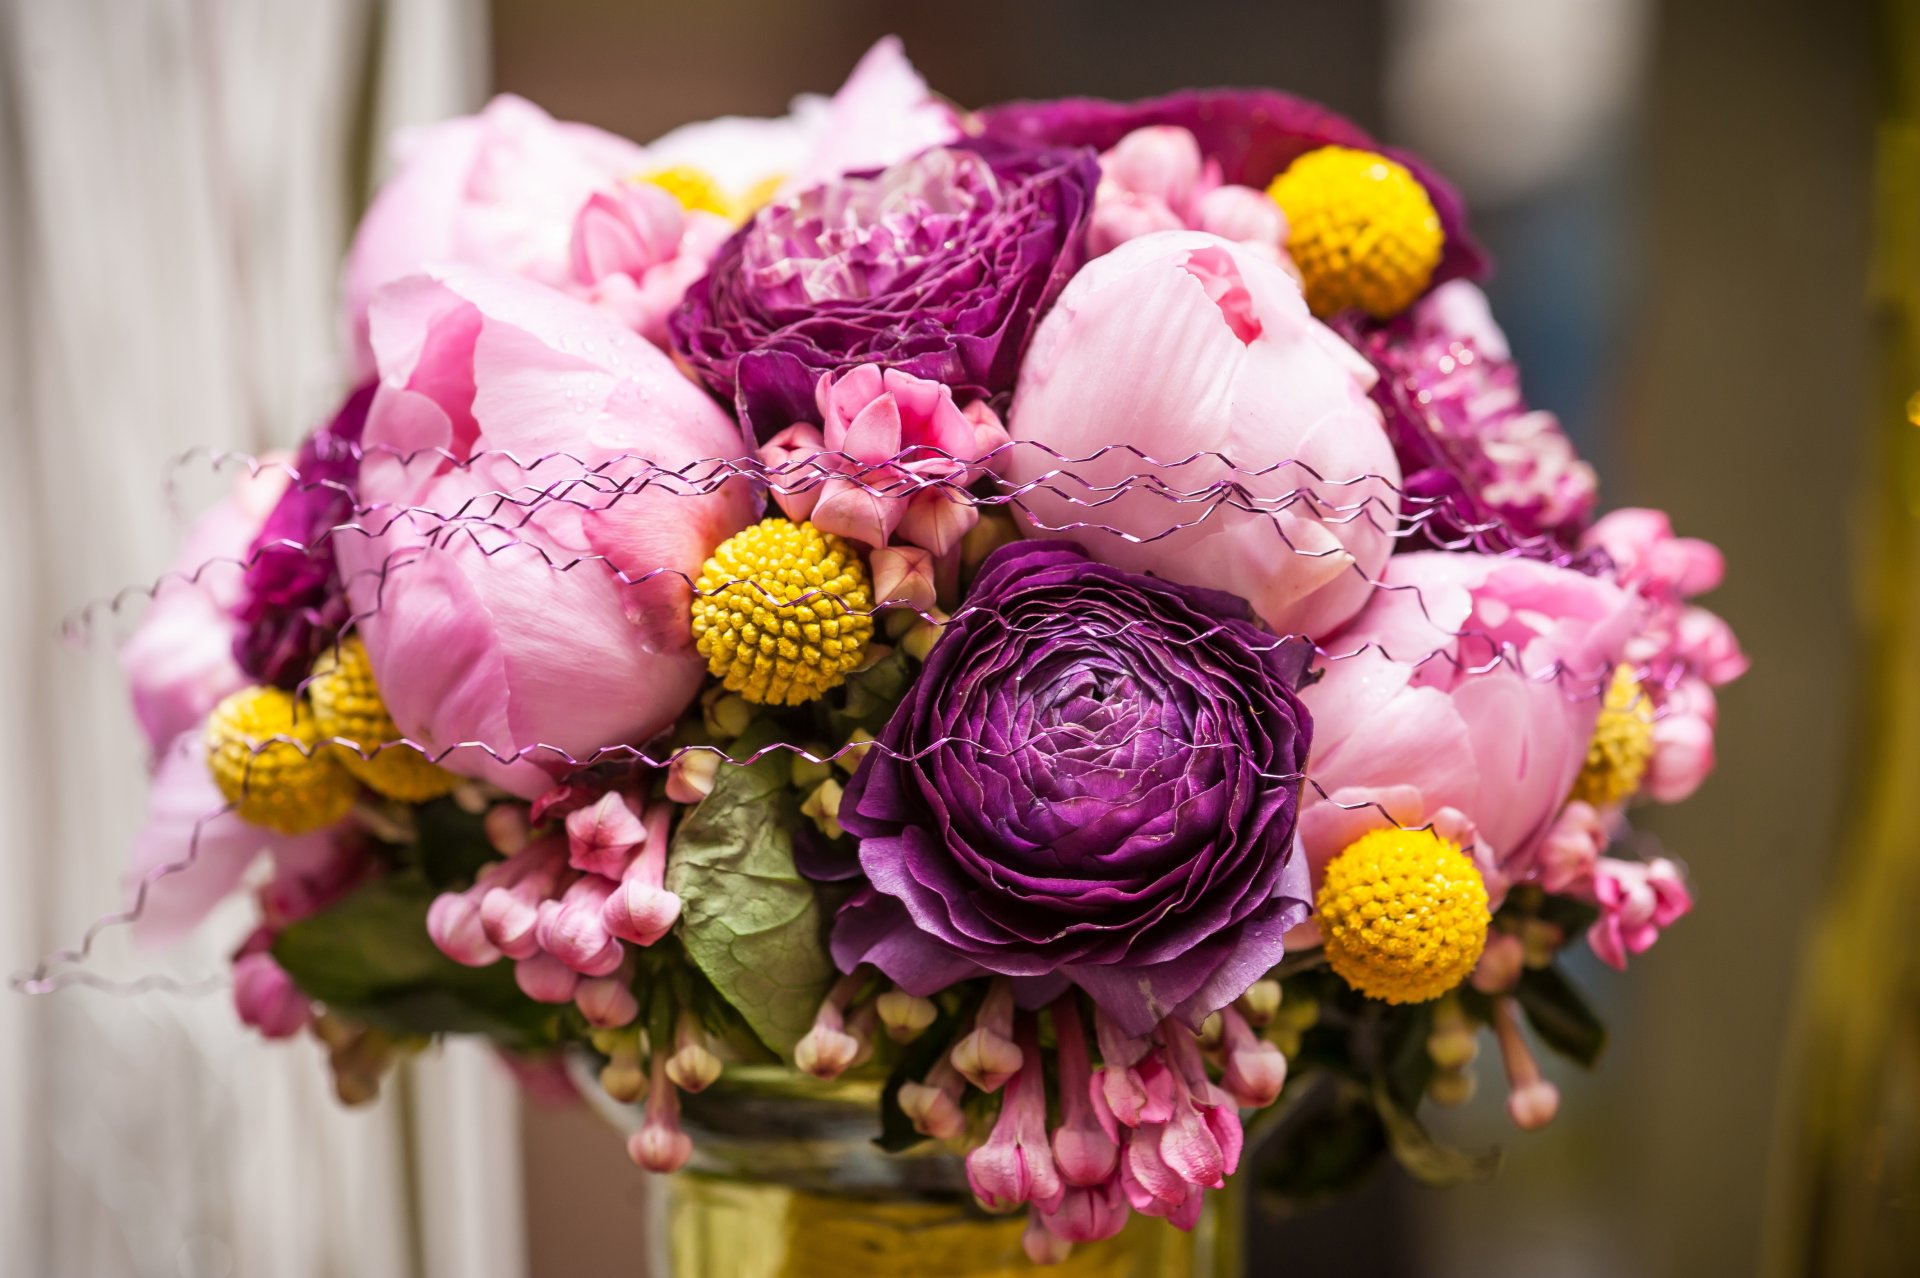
[
  {"x": 938, "y": 266},
  {"x": 1252, "y": 134},
  {"x": 1093, "y": 782},
  {"x": 292, "y": 604}
]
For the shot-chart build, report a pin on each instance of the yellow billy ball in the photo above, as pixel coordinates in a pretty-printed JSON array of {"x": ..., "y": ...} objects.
[
  {"x": 1361, "y": 229},
  {"x": 265, "y": 755},
  {"x": 781, "y": 612},
  {"x": 347, "y": 709},
  {"x": 1403, "y": 915}
]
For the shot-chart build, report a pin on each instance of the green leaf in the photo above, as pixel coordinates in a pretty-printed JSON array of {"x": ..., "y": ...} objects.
[
  {"x": 370, "y": 958},
  {"x": 1330, "y": 1142},
  {"x": 749, "y": 921},
  {"x": 451, "y": 844},
  {"x": 867, "y": 699},
  {"x": 1422, "y": 1157},
  {"x": 1560, "y": 1015}
]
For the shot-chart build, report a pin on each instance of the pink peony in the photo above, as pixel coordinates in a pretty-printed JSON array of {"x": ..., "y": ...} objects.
[
  {"x": 534, "y": 594},
  {"x": 1179, "y": 344},
  {"x": 899, "y": 445},
  {"x": 515, "y": 190},
  {"x": 1471, "y": 692},
  {"x": 179, "y": 660},
  {"x": 498, "y": 189}
]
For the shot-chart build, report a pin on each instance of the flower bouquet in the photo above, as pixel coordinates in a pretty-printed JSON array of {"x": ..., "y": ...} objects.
[{"x": 1061, "y": 610}]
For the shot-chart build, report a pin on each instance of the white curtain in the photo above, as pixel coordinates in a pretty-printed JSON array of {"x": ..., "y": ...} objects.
[{"x": 176, "y": 179}]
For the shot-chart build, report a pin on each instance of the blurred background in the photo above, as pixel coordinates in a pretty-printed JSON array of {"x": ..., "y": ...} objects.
[{"x": 1679, "y": 198}]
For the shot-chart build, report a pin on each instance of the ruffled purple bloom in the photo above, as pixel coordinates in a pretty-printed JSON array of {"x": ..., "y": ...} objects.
[
  {"x": 1252, "y": 134},
  {"x": 1093, "y": 782},
  {"x": 938, "y": 266},
  {"x": 1482, "y": 470},
  {"x": 292, "y": 604}
]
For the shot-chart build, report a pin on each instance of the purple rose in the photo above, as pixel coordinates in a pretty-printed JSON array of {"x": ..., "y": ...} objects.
[
  {"x": 938, "y": 266},
  {"x": 1252, "y": 134},
  {"x": 292, "y": 604},
  {"x": 1093, "y": 782}
]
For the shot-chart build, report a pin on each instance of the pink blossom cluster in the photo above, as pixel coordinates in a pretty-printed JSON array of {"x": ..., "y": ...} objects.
[{"x": 564, "y": 907}]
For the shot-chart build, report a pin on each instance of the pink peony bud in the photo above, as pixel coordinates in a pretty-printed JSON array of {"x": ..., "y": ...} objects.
[
  {"x": 601, "y": 838},
  {"x": 1243, "y": 214},
  {"x": 1162, "y": 161},
  {"x": 266, "y": 998}
]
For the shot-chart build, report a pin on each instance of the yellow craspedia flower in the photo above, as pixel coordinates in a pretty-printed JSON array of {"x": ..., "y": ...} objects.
[
  {"x": 1403, "y": 915},
  {"x": 1622, "y": 743},
  {"x": 1360, "y": 228},
  {"x": 696, "y": 189},
  {"x": 347, "y": 708},
  {"x": 781, "y": 612},
  {"x": 291, "y": 784}
]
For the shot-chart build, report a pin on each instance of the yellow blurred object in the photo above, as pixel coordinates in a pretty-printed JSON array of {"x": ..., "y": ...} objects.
[
  {"x": 782, "y": 612},
  {"x": 1361, "y": 230},
  {"x": 696, "y": 190},
  {"x": 1848, "y": 1181},
  {"x": 1622, "y": 744},
  {"x": 1403, "y": 915},
  {"x": 347, "y": 709},
  {"x": 265, "y": 755}
]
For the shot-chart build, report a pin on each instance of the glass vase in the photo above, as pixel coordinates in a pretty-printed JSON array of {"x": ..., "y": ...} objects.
[{"x": 786, "y": 1182}]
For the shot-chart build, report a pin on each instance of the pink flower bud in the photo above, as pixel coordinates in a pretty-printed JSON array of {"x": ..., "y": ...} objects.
[
  {"x": 1532, "y": 1101},
  {"x": 933, "y": 1107},
  {"x": 1533, "y": 1105},
  {"x": 660, "y": 1145},
  {"x": 1255, "y": 1069},
  {"x": 545, "y": 979},
  {"x": 1042, "y": 1245},
  {"x": 506, "y": 828},
  {"x": 693, "y": 1066},
  {"x": 1089, "y": 1213},
  {"x": 799, "y": 471},
  {"x": 572, "y": 930},
  {"x": 1500, "y": 962},
  {"x": 607, "y": 1001},
  {"x": 903, "y": 577},
  {"x": 453, "y": 921},
  {"x": 640, "y": 909},
  {"x": 1015, "y": 1164},
  {"x": 266, "y": 998},
  {"x": 510, "y": 909},
  {"x": 601, "y": 838},
  {"x": 1085, "y": 1152},
  {"x": 987, "y": 1056},
  {"x": 937, "y": 520},
  {"x": 690, "y": 776},
  {"x": 1161, "y": 160}
]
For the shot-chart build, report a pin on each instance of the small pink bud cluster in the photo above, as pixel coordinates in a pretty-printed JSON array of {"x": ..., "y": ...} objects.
[
  {"x": 565, "y": 908},
  {"x": 1148, "y": 1130},
  {"x": 659, "y": 1072}
]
